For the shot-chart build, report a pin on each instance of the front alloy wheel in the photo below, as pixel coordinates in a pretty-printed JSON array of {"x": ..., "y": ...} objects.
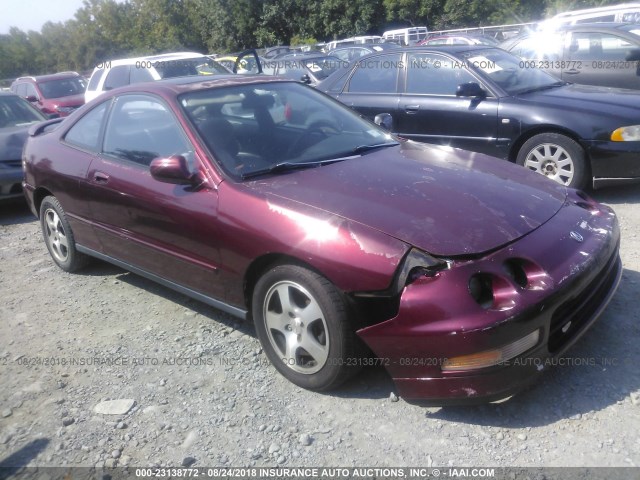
[
  {"x": 555, "y": 156},
  {"x": 551, "y": 160},
  {"x": 303, "y": 325},
  {"x": 296, "y": 327}
]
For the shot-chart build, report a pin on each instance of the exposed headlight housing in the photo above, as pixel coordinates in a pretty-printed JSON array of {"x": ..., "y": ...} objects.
[
  {"x": 418, "y": 264},
  {"x": 490, "y": 358},
  {"x": 626, "y": 134}
]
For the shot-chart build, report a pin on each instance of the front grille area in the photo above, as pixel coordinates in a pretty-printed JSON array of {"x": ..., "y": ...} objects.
[{"x": 580, "y": 309}]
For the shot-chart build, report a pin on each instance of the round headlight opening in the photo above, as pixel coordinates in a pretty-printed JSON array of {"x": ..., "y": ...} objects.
[{"x": 516, "y": 272}]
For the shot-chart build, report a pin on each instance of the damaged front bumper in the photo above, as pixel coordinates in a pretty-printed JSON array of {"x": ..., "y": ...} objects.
[{"x": 441, "y": 333}]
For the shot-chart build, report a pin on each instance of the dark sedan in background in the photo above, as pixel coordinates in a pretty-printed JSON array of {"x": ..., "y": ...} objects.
[
  {"x": 463, "y": 274},
  {"x": 16, "y": 116},
  {"x": 353, "y": 52},
  {"x": 483, "y": 99},
  {"x": 310, "y": 68},
  {"x": 605, "y": 54},
  {"x": 459, "y": 39}
]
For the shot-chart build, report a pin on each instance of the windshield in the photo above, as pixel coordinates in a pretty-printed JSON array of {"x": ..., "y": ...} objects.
[
  {"x": 16, "y": 112},
  {"x": 508, "y": 72},
  {"x": 64, "y": 87},
  {"x": 258, "y": 127},
  {"x": 189, "y": 67}
]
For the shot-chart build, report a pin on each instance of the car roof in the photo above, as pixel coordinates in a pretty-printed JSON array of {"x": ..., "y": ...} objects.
[
  {"x": 46, "y": 78},
  {"x": 156, "y": 58},
  {"x": 306, "y": 55},
  {"x": 178, "y": 85},
  {"x": 591, "y": 26},
  {"x": 595, "y": 25},
  {"x": 378, "y": 47},
  {"x": 445, "y": 48}
]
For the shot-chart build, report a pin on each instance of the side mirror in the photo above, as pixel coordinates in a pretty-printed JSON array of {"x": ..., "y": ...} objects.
[
  {"x": 305, "y": 79},
  {"x": 385, "y": 120},
  {"x": 31, "y": 98},
  {"x": 471, "y": 89},
  {"x": 633, "y": 55},
  {"x": 172, "y": 170}
]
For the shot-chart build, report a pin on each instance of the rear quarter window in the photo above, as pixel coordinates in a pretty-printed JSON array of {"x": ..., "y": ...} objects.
[{"x": 86, "y": 132}]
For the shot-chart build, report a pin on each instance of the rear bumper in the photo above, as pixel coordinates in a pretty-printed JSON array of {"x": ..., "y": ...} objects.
[{"x": 438, "y": 319}]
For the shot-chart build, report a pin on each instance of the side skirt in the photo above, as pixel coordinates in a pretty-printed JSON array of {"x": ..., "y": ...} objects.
[{"x": 225, "y": 307}]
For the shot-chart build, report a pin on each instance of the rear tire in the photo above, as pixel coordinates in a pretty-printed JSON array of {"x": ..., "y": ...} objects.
[
  {"x": 303, "y": 324},
  {"x": 556, "y": 156},
  {"x": 58, "y": 236}
]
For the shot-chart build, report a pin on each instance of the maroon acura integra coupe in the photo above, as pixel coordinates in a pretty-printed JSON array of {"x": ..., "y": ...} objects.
[{"x": 459, "y": 273}]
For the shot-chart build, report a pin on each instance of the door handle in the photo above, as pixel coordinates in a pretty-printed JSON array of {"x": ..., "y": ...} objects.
[
  {"x": 410, "y": 109},
  {"x": 99, "y": 177}
]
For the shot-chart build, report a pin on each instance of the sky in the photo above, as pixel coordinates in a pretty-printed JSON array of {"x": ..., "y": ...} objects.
[{"x": 32, "y": 14}]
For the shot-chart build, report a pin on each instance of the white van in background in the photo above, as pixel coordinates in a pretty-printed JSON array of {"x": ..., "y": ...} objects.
[
  {"x": 347, "y": 42},
  {"x": 118, "y": 73},
  {"x": 622, "y": 13},
  {"x": 407, "y": 36}
]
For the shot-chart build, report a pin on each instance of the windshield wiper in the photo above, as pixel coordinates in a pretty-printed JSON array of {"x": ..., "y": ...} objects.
[
  {"x": 286, "y": 166},
  {"x": 366, "y": 148},
  {"x": 543, "y": 87}
]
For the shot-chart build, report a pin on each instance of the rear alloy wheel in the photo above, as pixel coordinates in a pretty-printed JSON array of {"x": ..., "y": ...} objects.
[
  {"x": 302, "y": 322},
  {"x": 59, "y": 237},
  {"x": 556, "y": 156}
]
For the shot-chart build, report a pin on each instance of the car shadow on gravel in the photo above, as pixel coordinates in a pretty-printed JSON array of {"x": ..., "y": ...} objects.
[
  {"x": 370, "y": 383},
  {"x": 599, "y": 371},
  {"x": 15, "y": 212},
  {"x": 100, "y": 268},
  {"x": 12, "y": 464}
]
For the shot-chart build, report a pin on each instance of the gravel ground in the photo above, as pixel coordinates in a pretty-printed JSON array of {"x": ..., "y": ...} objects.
[{"x": 206, "y": 395}]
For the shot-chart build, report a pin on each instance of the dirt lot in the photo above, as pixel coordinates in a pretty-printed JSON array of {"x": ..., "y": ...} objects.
[{"x": 204, "y": 391}]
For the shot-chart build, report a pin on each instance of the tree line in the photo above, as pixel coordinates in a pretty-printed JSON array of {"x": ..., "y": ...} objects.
[{"x": 105, "y": 29}]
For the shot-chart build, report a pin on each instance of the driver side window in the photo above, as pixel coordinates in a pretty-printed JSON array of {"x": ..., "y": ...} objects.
[
  {"x": 376, "y": 75},
  {"x": 435, "y": 74},
  {"x": 142, "y": 128}
]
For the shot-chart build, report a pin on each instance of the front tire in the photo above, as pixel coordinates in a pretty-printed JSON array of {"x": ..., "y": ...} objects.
[
  {"x": 302, "y": 322},
  {"x": 58, "y": 236},
  {"x": 556, "y": 156}
]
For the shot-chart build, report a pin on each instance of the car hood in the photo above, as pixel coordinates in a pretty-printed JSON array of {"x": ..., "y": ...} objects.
[
  {"x": 11, "y": 142},
  {"x": 70, "y": 101},
  {"x": 445, "y": 201},
  {"x": 608, "y": 102}
]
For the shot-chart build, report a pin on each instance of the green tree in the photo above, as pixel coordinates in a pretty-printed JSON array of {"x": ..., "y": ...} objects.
[
  {"x": 415, "y": 12},
  {"x": 160, "y": 26}
]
